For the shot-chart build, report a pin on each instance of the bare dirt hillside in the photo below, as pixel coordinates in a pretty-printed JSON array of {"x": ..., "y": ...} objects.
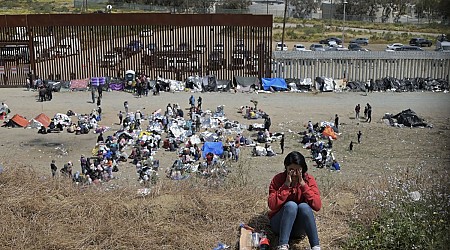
[{"x": 384, "y": 151}]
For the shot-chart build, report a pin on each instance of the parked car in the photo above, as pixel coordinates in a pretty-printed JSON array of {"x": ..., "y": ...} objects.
[
  {"x": 409, "y": 48},
  {"x": 327, "y": 40},
  {"x": 361, "y": 41},
  {"x": 200, "y": 48},
  {"x": 392, "y": 47},
  {"x": 356, "y": 47},
  {"x": 167, "y": 47},
  {"x": 184, "y": 47},
  {"x": 219, "y": 47},
  {"x": 281, "y": 47},
  {"x": 133, "y": 47},
  {"x": 420, "y": 42},
  {"x": 110, "y": 59},
  {"x": 316, "y": 47},
  {"x": 300, "y": 47},
  {"x": 146, "y": 33}
]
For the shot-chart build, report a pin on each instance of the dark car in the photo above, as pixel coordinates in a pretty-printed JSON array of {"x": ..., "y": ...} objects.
[
  {"x": 133, "y": 47},
  {"x": 327, "y": 41},
  {"x": 354, "y": 47},
  {"x": 421, "y": 42}
]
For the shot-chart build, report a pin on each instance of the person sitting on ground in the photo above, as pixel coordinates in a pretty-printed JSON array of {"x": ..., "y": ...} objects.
[
  {"x": 293, "y": 195},
  {"x": 336, "y": 166}
]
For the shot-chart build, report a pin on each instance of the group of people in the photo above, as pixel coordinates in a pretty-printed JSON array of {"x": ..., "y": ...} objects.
[{"x": 367, "y": 112}]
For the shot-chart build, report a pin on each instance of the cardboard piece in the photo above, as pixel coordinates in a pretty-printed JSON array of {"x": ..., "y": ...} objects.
[{"x": 245, "y": 241}]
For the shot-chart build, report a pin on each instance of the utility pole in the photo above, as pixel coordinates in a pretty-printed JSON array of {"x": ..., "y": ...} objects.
[{"x": 284, "y": 24}]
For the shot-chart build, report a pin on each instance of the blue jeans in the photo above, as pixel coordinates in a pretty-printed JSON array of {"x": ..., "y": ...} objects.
[{"x": 294, "y": 220}]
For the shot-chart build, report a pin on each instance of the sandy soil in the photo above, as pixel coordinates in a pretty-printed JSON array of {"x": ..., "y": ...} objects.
[{"x": 290, "y": 112}]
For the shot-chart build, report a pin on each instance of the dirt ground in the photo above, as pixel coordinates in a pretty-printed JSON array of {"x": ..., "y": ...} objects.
[{"x": 289, "y": 112}]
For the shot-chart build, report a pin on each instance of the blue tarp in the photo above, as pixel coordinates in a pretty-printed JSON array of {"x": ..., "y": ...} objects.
[
  {"x": 213, "y": 147},
  {"x": 275, "y": 83}
]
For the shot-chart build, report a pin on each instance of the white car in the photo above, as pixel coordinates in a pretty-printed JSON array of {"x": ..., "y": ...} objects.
[
  {"x": 392, "y": 47},
  {"x": 280, "y": 47},
  {"x": 146, "y": 33},
  {"x": 300, "y": 47}
]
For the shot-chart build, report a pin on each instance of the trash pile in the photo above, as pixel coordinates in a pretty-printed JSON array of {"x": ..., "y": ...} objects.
[
  {"x": 400, "y": 85},
  {"x": 406, "y": 118}
]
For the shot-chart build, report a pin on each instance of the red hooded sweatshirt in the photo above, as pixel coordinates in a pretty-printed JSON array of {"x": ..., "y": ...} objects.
[{"x": 280, "y": 193}]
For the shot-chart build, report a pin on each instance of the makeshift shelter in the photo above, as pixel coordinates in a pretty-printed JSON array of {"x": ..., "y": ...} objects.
[
  {"x": 16, "y": 121},
  {"x": 80, "y": 84},
  {"x": 39, "y": 121},
  {"x": 194, "y": 82},
  {"x": 209, "y": 83},
  {"x": 328, "y": 131},
  {"x": 325, "y": 84},
  {"x": 407, "y": 117},
  {"x": 223, "y": 85},
  {"x": 212, "y": 147},
  {"x": 245, "y": 84},
  {"x": 299, "y": 84},
  {"x": 275, "y": 84}
]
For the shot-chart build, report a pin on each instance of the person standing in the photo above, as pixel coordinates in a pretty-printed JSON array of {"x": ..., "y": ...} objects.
[
  {"x": 293, "y": 195},
  {"x": 192, "y": 101},
  {"x": 125, "y": 105},
  {"x": 336, "y": 121},
  {"x": 53, "y": 168},
  {"x": 359, "y": 136},
  {"x": 100, "y": 91},
  {"x": 199, "y": 103},
  {"x": 357, "y": 110},
  {"x": 93, "y": 94},
  {"x": 282, "y": 143},
  {"x": 350, "y": 147},
  {"x": 369, "y": 113},
  {"x": 120, "y": 115}
]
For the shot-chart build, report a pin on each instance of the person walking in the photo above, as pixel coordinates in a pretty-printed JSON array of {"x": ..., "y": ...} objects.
[
  {"x": 282, "y": 143},
  {"x": 53, "y": 168},
  {"x": 359, "y": 136},
  {"x": 192, "y": 101},
  {"x": 357, "y": 110}
]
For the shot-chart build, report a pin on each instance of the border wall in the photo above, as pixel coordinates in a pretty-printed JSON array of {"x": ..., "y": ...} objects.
[
  {"x": 361, "y": 65},
  {"x": 64, "y": 47}
]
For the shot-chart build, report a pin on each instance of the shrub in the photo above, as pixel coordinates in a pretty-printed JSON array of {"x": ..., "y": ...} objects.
[{"x": 411, "y": 212}]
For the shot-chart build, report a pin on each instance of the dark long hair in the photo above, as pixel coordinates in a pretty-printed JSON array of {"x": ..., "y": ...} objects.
[{"x": 296, "y": 157}]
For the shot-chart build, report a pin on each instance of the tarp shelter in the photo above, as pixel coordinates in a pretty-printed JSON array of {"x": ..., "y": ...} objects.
[
  {"x": 40, "y": 120},
  {"x": 209, "y": 83},
  {"x": 408, "y": 118},
  {"x": 299, "y": 84},
  {"x": 328, "y": 131},
  {"x": 213, "y": 147},
  {"x": 79, "y": 84},
  {"x": 16, "y": 121},
  {"x": 244, "y": 84},
  {"x": 223, "y": 85},
  {"x": 276, "y": 84},
  {"x": 325, "y": 84}
]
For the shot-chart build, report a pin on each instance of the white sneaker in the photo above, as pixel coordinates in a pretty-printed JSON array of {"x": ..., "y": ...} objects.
[
  {"x": 283, "y": 247},
  {"x": 315, "y": 248}
]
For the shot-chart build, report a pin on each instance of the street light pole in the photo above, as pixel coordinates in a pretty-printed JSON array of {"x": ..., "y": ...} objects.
[
  {"x": 284, "y": 24},
  {"x": 343, "y": 25}
]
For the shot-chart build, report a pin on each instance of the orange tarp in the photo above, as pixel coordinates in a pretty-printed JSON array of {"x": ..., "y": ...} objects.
[
  {"x": 43, "y": 119},
  {"x": 328, "y": 131},
  {"x": 20, "y": 120}
]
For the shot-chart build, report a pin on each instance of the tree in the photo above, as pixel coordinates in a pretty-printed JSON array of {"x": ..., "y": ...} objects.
[
  {"x": 304, "y": 8},
  {"x": 236, "y": 4}
]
